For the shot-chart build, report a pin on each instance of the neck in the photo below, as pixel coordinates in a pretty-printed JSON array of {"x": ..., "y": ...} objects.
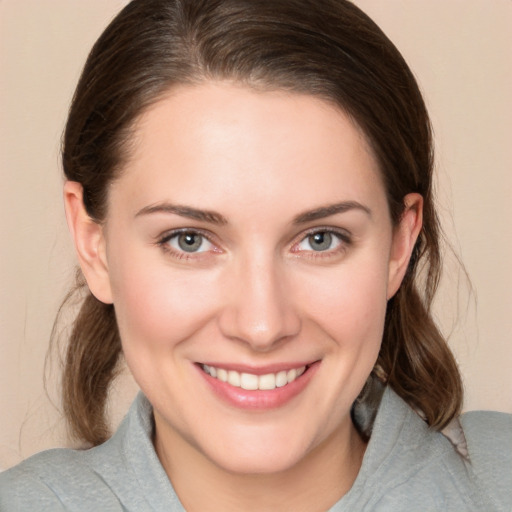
[{"x": 315, "y": 483}]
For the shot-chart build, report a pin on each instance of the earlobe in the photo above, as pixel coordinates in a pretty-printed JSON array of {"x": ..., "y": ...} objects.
[
  {"x": 404, "y": 239},
  {"x": 89, "y": 241}
]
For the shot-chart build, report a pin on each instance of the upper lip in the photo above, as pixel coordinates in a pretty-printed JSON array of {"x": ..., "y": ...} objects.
[{"x": 260, "y": 370}]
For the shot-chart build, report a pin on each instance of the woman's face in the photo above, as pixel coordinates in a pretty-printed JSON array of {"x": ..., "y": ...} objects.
[{"x": 250, "y": 254}]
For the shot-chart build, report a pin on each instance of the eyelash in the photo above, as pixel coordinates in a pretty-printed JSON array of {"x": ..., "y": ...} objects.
[
  {"x": 163, "y": 242},
  {"x": 343, "y": 237}
]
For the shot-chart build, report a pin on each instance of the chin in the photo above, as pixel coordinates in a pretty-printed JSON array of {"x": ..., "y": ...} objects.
[
  {"x": 263, "y": 463},
  {"x": 250, "y": 455}
]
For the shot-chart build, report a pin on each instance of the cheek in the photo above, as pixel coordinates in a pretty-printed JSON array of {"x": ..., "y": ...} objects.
[
  {"x": 350, "y": 304},
  {"x": 157, "y": 307}
]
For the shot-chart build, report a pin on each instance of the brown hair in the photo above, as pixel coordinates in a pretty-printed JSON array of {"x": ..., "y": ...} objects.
[{"x": 327, "y": 48}]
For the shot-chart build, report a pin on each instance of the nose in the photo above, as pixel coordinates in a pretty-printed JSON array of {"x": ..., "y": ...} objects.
[{"x": 259, "y": 309}]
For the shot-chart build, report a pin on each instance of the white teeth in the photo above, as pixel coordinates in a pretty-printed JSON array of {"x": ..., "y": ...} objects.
[
  {"x": 251, "y": 382},
  {"x": 281, "y": 379},
  {"x": 267, "y": 381},
  {"x": 234, "y": 378}
]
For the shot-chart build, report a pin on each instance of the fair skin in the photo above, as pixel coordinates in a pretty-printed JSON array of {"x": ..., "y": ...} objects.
[{"x": 249, "y": 232}]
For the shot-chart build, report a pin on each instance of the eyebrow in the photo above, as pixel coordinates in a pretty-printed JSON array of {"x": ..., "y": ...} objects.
[
  {"x": 184, "y": 211},
  {"x": 332, "y": 209},
  {"x": 217, "y": 218}
]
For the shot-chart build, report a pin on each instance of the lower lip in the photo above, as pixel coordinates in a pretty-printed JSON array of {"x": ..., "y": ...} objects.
[{"x": 259, "y": 399}]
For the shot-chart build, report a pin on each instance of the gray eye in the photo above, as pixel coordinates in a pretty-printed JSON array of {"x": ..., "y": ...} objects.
[
  {"x": 321, "y": 241},
  {"x": 190, "y": 242}
]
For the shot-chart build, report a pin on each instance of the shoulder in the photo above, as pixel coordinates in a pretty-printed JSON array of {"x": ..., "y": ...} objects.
[
  {"x": 409, "y": 466},
  {"x": 489, "y": 441},
  {"x": 488, "y": 432},
  {"x": 66, "y": 479},
  {"x": 122, "y": 474},
  {"x": 59, "y": 479}
]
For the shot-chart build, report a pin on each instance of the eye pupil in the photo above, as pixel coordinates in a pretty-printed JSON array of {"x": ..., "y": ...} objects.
[
  {"x": 190, "y": 242},
  {"x": 320, "y": 241}
]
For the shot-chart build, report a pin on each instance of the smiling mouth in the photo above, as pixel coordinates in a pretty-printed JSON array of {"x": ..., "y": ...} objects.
[{"x": 252, "y": 382}]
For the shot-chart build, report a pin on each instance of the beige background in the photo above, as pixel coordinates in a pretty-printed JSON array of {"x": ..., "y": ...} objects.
[{"x": 461, "y": 52}]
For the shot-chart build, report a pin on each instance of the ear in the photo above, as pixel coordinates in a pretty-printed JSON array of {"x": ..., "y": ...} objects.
[
  {"x": 89, "y": 242},
  {"x": 405, "y": 235}
]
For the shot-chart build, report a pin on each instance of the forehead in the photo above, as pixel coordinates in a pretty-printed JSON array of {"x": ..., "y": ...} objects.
[{"x": 217, "y": 140}]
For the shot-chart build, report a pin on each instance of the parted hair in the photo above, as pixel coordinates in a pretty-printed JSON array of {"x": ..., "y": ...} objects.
[{"x": 326, "y": 48}]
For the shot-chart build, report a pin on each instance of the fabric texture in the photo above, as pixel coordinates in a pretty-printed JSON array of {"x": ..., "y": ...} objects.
[{"x": 406, "y": 467}]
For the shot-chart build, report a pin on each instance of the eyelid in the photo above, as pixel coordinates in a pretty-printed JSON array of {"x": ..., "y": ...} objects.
[
  {"x": 163, "y": 239},
  {"x": 344, "y": 236}
]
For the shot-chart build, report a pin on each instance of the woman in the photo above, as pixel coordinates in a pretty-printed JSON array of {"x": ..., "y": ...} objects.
[{"x": 249, "y": 192}]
